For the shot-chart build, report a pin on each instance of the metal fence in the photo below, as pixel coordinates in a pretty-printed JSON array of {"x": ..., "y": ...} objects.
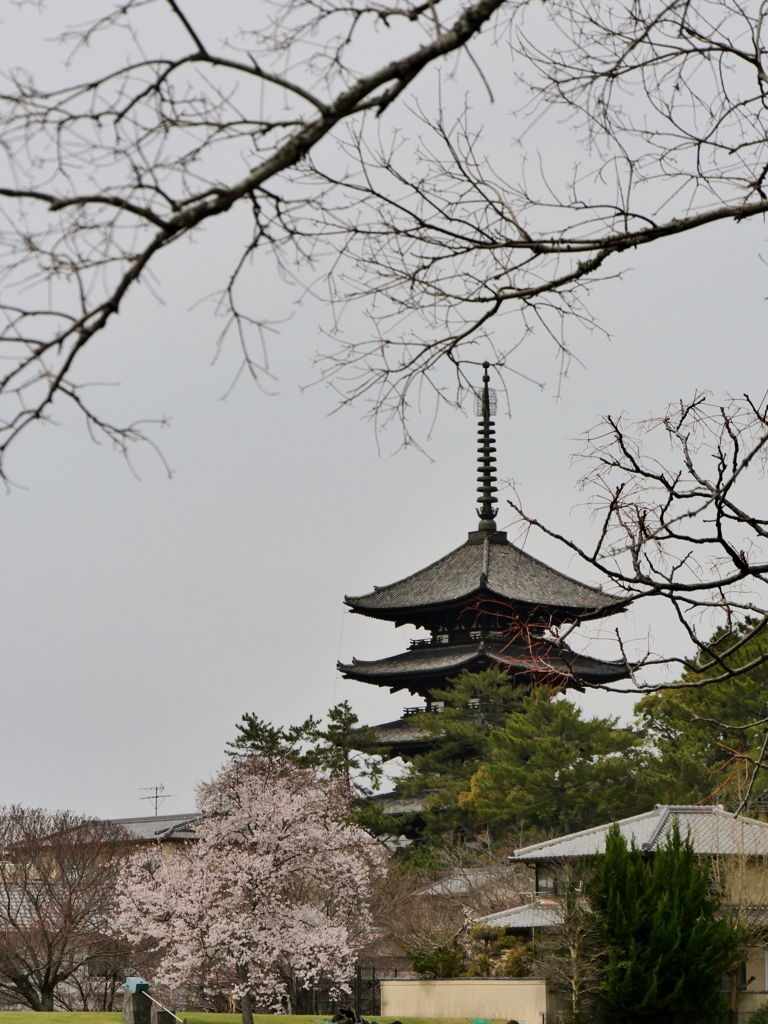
[{"x": 367, "y": 992}]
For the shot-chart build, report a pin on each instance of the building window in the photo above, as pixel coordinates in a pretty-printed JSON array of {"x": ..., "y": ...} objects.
[{"x": 546, "y": 880}]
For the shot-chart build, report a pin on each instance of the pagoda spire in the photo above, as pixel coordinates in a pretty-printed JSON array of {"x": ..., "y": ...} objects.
[{"x": 485, "y": 407}]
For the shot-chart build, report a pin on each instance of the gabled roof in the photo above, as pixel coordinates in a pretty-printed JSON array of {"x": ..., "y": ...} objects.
[
  {"x": 459, "y": 882},
  {"x": 713, "y": 832},
  {"x": 533, "y": 915},
  {"x": 160, "y": 826},
  {"x": 486, "y": 565}
]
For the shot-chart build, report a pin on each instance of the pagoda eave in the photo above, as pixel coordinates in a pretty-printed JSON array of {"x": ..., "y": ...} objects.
[
  {"x": 402, "y": 737},
  {"x": 485, "y": 600},
  {"x": 423, "y": 667},
  {"x": 494, "y": 574}
]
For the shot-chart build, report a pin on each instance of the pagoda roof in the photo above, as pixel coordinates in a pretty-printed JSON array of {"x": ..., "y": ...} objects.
[
  {"x": 428, "y": 662},
  {"x": 487, "y": 565},
  {"x": 398, "y": 804},
  {"x": 403, "y": 735}
]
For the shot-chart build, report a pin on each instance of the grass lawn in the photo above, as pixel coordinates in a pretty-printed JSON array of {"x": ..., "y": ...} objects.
[{"x": 29, "y": 1017}]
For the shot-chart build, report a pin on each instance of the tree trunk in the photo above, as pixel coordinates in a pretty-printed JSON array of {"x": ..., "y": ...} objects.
[
  {"x": 46, "y": 999},
  {"x": 575, "y": 982},
  {"x": 110, "y": 1002},
  {"x": 566, "y": 815},
  {"x": 735, "y": 979},
  {"x": 246, "y": 1007}
]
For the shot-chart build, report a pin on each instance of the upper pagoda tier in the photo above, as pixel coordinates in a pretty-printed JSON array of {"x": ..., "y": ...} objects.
[
  {"x": 486, "y": 577},
  {"x": 487, "y": 602}
]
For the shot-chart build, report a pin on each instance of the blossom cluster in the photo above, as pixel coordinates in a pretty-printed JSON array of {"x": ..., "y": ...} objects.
[{"x": 274, "y": 894}]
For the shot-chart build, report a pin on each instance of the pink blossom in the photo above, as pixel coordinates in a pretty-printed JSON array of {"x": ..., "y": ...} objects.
[{"x": 275, "y": 892}]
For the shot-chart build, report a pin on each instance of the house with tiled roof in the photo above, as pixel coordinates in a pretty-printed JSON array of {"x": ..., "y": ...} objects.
[
  {"x": 736, "y": 845},
  {"x": 713, "y": 831},
  {"x": 167, "y": 828}
]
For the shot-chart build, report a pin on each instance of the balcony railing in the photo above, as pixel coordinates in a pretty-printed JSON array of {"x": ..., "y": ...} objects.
[
  {"x": 466, "y": 636},
  {"x": 433, "y": 708}
]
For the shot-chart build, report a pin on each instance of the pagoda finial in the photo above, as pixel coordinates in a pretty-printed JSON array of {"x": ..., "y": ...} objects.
[{"x": 485, "y": 407}]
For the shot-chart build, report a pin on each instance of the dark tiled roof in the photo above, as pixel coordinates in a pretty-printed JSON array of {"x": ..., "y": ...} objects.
[
  {"x": 398, "y": 804},
  {"x": 400, "y": 733},
  {"x": 490, "y": 566},
  {"x": 160, "y": 826},
  {"x": 441, "y": 660},
  {"x": 713, "y": 831}
]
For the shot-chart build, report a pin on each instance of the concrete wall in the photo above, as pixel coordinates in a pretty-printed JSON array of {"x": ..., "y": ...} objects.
[
  {"x": 751, "y": 1001},
  {"x": 520, "y": 999}
]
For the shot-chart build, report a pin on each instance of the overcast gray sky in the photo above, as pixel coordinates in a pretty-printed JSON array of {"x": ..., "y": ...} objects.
[{"x": 139, "y": 618}]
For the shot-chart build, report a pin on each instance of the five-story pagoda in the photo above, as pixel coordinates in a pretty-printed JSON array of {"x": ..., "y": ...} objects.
[{"x": 486, "y": 602}]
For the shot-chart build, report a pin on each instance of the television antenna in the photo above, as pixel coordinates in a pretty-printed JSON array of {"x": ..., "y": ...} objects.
[{"x": 156, "y": 794}]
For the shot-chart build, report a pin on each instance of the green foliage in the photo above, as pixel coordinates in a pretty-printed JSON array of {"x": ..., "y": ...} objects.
[
  {"x": 667, "y": 948},
  {"x": 376, "y": 820},
  {"x": 550, "y": 767},
  {"x": 475, "y": 705},
  {"x": 343, "y": 749},
  {"x": 760, "y": 1016},
  {"x": 347, "y": 750},
  {"x": 441, "y": 961},
  {"x": 701, "y": 736},
  {"x": 256, "y": 736},
  {"x": 497, "y": 954}
]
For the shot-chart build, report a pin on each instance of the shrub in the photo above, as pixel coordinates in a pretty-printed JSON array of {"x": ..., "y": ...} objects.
[{"x": 443, "y": 961}]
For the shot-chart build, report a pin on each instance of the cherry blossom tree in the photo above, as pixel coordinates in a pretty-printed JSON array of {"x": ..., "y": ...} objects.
[{"x": 274, "y": 895}]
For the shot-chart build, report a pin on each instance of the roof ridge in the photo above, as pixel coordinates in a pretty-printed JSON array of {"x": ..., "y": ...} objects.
[
  {"x": 359, "y": 597},
  {"x": 583, "y": 832},
  {"x": 558, "y": 572},
  {"x": 153, "y": 817},
  {"x": 664, "y": 815}
]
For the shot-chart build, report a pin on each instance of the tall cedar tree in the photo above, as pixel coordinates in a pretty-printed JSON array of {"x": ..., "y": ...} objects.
[
  {"x": 549, "y": 767},
  {"x": 667, "y": 947},
  {"x": 702, "y": 736}
]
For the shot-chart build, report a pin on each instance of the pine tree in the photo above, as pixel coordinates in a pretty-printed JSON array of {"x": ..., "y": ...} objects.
[
  {"x": 550, "y": 767},
  {"x": 344, "y": 749},
  {"x": 475, "y": 705},
  {"x": 703, "y": 736}
]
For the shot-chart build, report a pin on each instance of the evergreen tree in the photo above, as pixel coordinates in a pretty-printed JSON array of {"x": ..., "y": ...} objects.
[
  {"x": 259, "y": 737},
  {"x": 550, "y": 767},
  {"x": 343, "y": 749},
  {"x": 346, "y": 750},
  {"x": 702, "y": 736},
  {"x": 475, "y": 705},
  {"x": 667, "y": 946}
]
